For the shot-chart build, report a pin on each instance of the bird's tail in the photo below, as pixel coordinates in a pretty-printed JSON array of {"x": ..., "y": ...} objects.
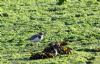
[{"x": 27, "y": 39}]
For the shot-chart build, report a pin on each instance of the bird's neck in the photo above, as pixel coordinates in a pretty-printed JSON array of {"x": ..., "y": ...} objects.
[{"x": 41, "y": 36}]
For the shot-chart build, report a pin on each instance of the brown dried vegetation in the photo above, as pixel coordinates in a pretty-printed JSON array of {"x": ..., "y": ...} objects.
[{"x": 52, "y": 50}]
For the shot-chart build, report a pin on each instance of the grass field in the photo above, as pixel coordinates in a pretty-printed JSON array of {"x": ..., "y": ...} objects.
[{"x": 77, "y": 21}]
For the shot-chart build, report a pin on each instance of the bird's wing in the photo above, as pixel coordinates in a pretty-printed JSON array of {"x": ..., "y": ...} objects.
[{"x": 33, "y": 37}]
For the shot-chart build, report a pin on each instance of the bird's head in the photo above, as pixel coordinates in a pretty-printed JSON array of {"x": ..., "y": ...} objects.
[{"x": 41, "y": 33}]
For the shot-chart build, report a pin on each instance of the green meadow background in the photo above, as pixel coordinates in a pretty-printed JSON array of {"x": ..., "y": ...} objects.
[{"x": 76, "y": 21}]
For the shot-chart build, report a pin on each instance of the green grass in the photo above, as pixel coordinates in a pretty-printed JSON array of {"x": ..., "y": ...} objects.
[{"x": 77, "y": 21}]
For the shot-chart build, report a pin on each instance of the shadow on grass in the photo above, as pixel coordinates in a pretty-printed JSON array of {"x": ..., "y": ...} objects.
[
  {"x": 89, "y": 50},
  {"x": 90, "y": 60},
  {"x": 22, "y": 59}
]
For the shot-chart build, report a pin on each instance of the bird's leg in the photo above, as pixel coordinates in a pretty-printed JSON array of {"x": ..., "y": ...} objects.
[{"x": 37, "y": 44}]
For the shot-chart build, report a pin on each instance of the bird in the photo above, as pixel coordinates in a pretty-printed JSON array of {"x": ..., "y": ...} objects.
[{"x": 37, "y": 37}]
